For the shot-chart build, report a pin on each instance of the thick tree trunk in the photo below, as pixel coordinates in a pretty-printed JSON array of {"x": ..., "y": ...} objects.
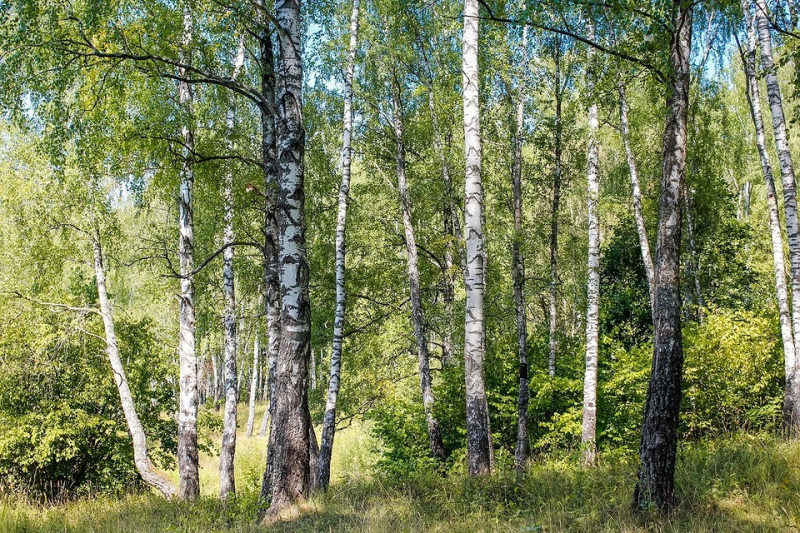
[
  {"x": 790, "y": 399},
  {"x": 553, "y": 341},
  {"x": 660, "y": 426},
  {"x": 323, "y": 472},
  {"x": 290, "y": 479},
  {"x": 518, "y": 272},
  {"x": 188, "y": 467},
  {"x": 227, "y": 451},
  {"x": 478, "y": 430},
  {"x": 254, "y": 378},
  {"x": 792, "y": 420},
  {"x": 636, "y": 194},
  {"x": 141, "y": 458},
  {"x": 589, "y": 422},
  {"x": 417, "y": 312}
]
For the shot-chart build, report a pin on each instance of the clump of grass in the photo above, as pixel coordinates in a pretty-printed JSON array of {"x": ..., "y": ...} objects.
[{"x": 739, "y": 483}]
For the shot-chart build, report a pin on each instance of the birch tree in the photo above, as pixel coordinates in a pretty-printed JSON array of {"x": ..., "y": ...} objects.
[
  {"x": 659, "y": 442},
  {"x": 329, "y": 422},
  {"x": 290, "y": 477},
  {"x": 227, "y": 484},
  {"x": 553, "y": 315},
  {"x": 518, "y": 270},
  {"x": 589, "y": 422},
  {"x": 417, "y": 312},
  {"x": 254, "y": 378},
  {"x": 478, "y": 429},
  {"x": 141, "y": 457},
  {"x": 753, "y": 93},
  {"x": 792, "y": 420},
  {"x": 188, "y": 460}
]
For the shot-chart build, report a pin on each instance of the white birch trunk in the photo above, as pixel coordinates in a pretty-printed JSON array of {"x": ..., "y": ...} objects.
[
  {"x": 589, "y": 422},
  {"x": 254, "y": 377},
  {"x": 323, "y": 473},
  {"x": 636, "y": 194},
  {"x": 789, "y": 354},
  {"x": 227, "y": 484},
  {"x": 478, "y": 429},
  {"x": 141, "y": 458},
  {"x": 289, "y": 439},
  {"x": 789, "y": 195},
  {"x": 188, "y": 467}
]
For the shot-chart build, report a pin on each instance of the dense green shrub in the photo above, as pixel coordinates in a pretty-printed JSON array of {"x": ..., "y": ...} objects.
[{"x": 62, "y": 431}]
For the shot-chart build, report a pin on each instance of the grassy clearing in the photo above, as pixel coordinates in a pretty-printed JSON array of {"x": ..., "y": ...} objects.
[{"x": 742, "y": 483}]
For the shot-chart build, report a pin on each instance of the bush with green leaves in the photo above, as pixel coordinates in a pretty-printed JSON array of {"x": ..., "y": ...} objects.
[{"x": 62, "y": 431}]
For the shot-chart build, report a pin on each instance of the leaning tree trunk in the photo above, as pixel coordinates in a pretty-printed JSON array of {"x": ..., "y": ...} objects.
[
  {"x": 323, "y": 473},
  {"x": 789, "y": 195},
  {"x": 254, "y": 377},
  {"x": 660, "y": 426},
  {"x": 754, "y": 99},
  {"x": 553, "y": 342},
  {"x": 141, "y": 458},
  {"x": 188, "y": 460},
  {"x": 227, "y": 484},
  {"x": 636, "y": 194},
  {"x": 589, "y": 421},
  {"x": 290, "y": 479},
  {"x": 478, "y": 430},
  {"x": 417, "y": 314},
  {"x": 518, "y": 272}
]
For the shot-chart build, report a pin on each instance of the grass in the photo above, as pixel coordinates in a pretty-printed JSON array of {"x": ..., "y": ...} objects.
[{"x": 740, "y": 483}]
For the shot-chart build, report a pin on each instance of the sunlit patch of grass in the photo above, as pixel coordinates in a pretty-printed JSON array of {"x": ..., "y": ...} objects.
[{"x": 741, "y": 483}]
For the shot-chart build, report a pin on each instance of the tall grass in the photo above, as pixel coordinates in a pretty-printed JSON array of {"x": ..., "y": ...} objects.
[{"x": 740, "y": 483}]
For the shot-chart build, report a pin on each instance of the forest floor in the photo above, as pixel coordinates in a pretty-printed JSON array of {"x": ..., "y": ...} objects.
[{"x": 739, "y": 483}]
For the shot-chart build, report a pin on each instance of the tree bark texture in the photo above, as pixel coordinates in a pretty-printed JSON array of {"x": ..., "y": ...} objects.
[
  {"x": 290, "y": 420},
  {"x": 323, "y": 473},
  {"x": 188, "y": 460},
  {"x": 660, "y": 426},
  {"x": 478, "y": 429}
]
